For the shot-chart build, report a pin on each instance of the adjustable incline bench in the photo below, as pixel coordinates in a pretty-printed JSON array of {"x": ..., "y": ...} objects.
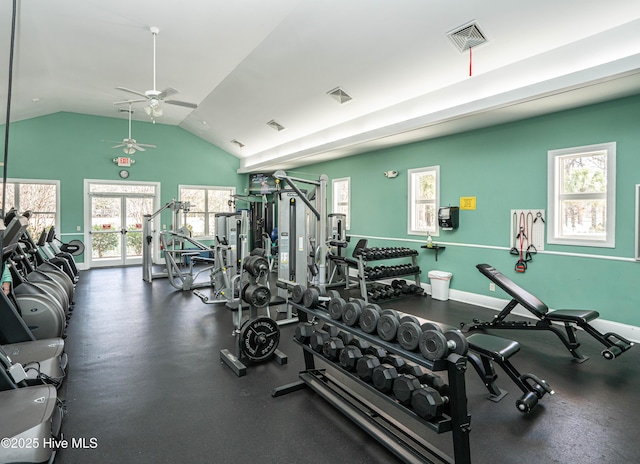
[{"x": 570, "y": 318}]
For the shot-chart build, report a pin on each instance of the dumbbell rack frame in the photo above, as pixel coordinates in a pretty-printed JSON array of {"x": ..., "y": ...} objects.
[
  {"x": 363, "y": 280},
  {"x": 380, "y": 415}
]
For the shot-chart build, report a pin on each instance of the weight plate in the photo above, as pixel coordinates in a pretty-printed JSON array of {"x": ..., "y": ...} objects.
[
  {"x": 259, "y": 338},
  {"x": 460, "y": 341},
  {"x": 369, "y": 319},
  {"x": 360, "y": 302},
  {"x": 333, "y": 294},
  {"x": 257, "y": 295},
  {"x": 310, "y": 298},
  {"x": 297, "y": 293},
  {"x": 351, "y": 313},
  {"x": 409, "y": 335},
  {"x": 387, "y": 326},
  {"x": 433, "y": 345},
  {"x": 391, "y": 312},
  {"x": 431, "y": 326},
  {"x": 409, "y": 318},
  {"x": 336, "y": 308}
]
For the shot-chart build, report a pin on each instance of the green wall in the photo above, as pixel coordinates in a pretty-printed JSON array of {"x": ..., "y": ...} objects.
[
  {"x": 505, "y": 167},
  {"x": 71, "y": 147}
]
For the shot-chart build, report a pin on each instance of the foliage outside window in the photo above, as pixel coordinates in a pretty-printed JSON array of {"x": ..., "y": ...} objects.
[
  {"x": 341, "y": 195},
  {"x": 41, "y": 198},
  {"x": 205, "y": 202},
  {"x": 581, "y": 197},
  {"x": 424, "y": 198}
]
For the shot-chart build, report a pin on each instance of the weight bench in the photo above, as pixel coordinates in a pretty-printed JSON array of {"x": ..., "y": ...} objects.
[
  {"x": 569, "y": 318},
  {"x": 484, "y": 350}
]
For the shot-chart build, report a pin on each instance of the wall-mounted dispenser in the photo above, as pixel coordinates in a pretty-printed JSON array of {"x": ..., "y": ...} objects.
[{"x": 448, "y": 217}]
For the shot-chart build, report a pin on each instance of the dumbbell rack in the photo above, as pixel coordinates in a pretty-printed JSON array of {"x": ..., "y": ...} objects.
[
  {"x": 363, "y": 280},
  {"x": 380, "y": 415}
]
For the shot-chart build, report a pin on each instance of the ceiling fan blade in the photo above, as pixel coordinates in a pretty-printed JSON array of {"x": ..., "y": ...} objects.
[
  {"x": 118, "y": 146},
  {"x": 137, "y": 147},
  {"x": 129, "y": 102},
  {"x": 168, "y": 92},
  {"x": 142, "y": 94},
  {"x": 148, "y": 145},
  {"x": 181, "y": 103}
]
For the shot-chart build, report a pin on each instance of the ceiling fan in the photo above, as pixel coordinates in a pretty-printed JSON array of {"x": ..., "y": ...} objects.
[
  {"x": 155, "y": 97},
  {"x": 131, "y": 145}
]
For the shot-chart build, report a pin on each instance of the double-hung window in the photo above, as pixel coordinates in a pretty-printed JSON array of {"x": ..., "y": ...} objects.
[
  {"x": 40, "y": 197},
  {"x": 341, "y": 195},
  {"x": 581, "y": 195},
  {"x": 204, "y": 202},
  {"x": 424, "y": 198}
]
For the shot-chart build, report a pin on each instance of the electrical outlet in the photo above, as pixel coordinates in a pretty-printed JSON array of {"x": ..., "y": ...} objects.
[
  {"x": 492, "y": 287},
  {"x": 78, "y": 228},
  {"x": 164, "y": 227}
]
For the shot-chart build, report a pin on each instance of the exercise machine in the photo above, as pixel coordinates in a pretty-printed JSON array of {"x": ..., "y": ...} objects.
[
  {"x": 570, "y": 319},
  {"x": 181, "y": 253}
]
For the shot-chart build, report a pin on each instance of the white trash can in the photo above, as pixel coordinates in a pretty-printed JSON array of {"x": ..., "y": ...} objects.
[{"x": 440, "y": 284}]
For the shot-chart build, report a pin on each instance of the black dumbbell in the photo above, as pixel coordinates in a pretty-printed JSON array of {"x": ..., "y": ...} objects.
[
  {"x": 312, "y": 297},
  {"x": 425, "y": 377},
  {"x": 346, "y": 337},
  {"x": 317, "y": 339},
  {"x": 387, "y": 325},
  {"x": 349, "y": 357},
  {"x": 396, "y": 361},
  {"x": 369, "y": 317},
  {"x": 365, "y": 366},
  {"x": 352, "y": 311},
  {"x": 435, "y": 345},
  {"x": 331, "y": 329},
  {"x": 360, "y": 343},
  {"x": 404, "y": 386},
  {"x": 303, "y": 332},
  {"x": 409, "y": 332},
  {"x": 376, "y": 351},
  {"x": 427, "y": 403},
  {"x": 336, "y": 308},
  {"x": 383, "y": 377},
  {"x": 332, "y": 348}
]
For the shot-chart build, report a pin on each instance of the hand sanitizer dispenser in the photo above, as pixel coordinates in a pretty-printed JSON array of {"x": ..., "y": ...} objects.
[{"x": 448, "y": 217}]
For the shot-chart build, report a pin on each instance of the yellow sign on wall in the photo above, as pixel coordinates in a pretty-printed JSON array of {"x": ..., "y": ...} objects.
[{"x": 468, "y": 203}]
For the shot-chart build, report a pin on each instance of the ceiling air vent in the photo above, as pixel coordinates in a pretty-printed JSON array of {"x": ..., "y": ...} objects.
[
  {"x": 235, "y": 142},
  {"x": 340, "y": 95},
  {"x": 467, "y": 37},
  {"x": 275, "y": 126}
]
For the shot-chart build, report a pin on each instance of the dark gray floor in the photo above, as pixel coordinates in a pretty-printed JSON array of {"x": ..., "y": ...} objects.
[{"x": 146, "y": 382}]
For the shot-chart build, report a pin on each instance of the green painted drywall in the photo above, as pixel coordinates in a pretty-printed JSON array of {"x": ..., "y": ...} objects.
[
  {"x": 505, "y": 167},
  {"x": 71, "y": 147}
]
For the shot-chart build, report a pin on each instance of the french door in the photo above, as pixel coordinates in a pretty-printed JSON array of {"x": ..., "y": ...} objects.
[{"x": 115, "y": 226}]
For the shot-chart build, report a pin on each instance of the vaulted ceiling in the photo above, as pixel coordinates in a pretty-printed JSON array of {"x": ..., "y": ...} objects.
[{"x": 248, "y": 62}]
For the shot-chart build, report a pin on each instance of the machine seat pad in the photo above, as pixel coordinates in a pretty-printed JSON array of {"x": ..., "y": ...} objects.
[
  {"x": 572, "y": 315},
  {"x": 492, "y": 346}
]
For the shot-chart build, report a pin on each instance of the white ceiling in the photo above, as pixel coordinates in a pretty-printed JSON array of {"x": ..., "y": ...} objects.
[{"x": 246, "y": 62}]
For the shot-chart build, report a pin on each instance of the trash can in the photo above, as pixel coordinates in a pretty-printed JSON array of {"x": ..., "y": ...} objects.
[{"x": 440, "y": 284}]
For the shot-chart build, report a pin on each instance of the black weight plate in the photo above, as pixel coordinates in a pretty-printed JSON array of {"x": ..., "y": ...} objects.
[
  {"x": 351, "y": 313},
  {"x": 257, "y": 295},
  {"x": 297, "y": 293},
  {"x": 409, "y": 318},
  {"x": 431, "y": 326},
  {"x": 369, "y": 319},
  {"x": 336, "y": 308},
  {"x": 259, "y": 338},
  {"x": 387, "y": 326},
  {"x": 433, "y": 345},
  {"x": 310, "y": 298},
  {"x": 333, "y": 294},
  {"x": 460, "y": 341},
  {"x": 409, "y": 335}
]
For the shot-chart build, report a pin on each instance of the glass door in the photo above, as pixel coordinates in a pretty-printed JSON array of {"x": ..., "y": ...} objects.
[{"x": 116, "y": 228}]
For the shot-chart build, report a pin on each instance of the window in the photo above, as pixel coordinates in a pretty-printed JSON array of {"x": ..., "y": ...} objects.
[
  {"x": 581, "y": 197},
  {"x": 204, "y": 203},
  {"x": 341, "y": 195},
  {"x": 424, "y": 198},
  {"x": 41, "y": 198}
]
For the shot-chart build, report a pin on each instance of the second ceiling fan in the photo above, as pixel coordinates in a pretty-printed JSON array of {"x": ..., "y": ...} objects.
[{"x": 155, "y": 97}]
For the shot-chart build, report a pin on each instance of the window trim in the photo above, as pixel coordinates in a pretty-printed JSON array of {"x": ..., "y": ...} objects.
[
  {"x": 206, "y": 188},
  {"x": 335, "y": 203},
  {"x": 411, "y": 203},
  {"x": 553, "y": 196}
]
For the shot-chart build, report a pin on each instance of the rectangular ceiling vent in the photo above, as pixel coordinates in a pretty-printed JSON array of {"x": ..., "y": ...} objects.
[
  {"x": 467, "y": 37},
  {"x": 275, "y": 126},
  {"x": 235, "y": 142},
  {"x": 340, "y": 95}
]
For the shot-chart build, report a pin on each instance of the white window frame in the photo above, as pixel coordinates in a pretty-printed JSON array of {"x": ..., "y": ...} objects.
[
  {"x": 554, "y": 196},
  {"x": 17, "y": 183},
  {"x": 209, "y": 234},
  {"x": 334, "y": 199},
  {"x": 412, "y": 202}
]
